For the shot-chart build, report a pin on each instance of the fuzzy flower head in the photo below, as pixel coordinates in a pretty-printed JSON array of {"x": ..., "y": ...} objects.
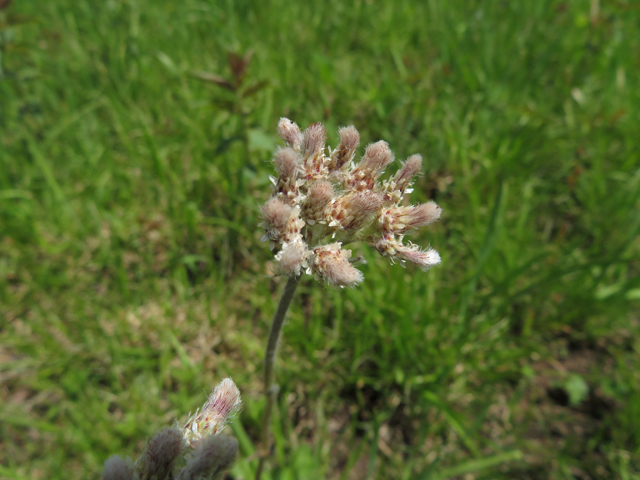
[
  {"x": 322, "y": 199},
  {"x": 222, "y": 404}
]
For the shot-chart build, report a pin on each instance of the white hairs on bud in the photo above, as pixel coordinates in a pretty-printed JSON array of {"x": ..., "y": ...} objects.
[
  {"x": 318, "y": 199},
  {"x": 365, "y": 174},
  {"x": 290, "y": 133},
  {"x": 160, "y": 454},
  {"x": 276, "y": 214},
  {"x": 287, "y": 163},
  {"x": 331, "y": 264},
  {"x": 399, "y": 220},
  {"x": 314, "y": 138},
  {"x": 409, "y": 169},
  {"x": 291, "y": 259},
  {"x": 353, "y": 211},
  {"x": 349, "y": 141},
  {"x": 222, "y": 404},
  {"x": 377, "y": 157},
  {"x": 212, "y": 456},
  {"x": 423, "y": 259}
]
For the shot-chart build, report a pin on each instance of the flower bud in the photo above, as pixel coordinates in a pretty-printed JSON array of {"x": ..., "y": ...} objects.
[
  {"x": 212, "y": 456},
  {"x": 293, "y": 228},
  {"x": 377, "y": 157},
  {"x": 354, "y": 210},
  {"x": 318, "y": 198},
  {"x": 349, "y": 141},
  {"x": 291, "y": 259},
  {"x": 288, "y": 166},
  {"x": 399, "y": 220},
  {"x": 222, "y": 403},
  {"x": 116, "y": 468},
  {"x": 276, "y": 214},
  {"x": 287, "y": 163},
  {"x": 424, "y": 259},
  {"x": 160, "y": 455},
  {"x": 389, "y": 247},
  {"x": 409, "y": 169},
  {"x": 314, "y": 138},
  {"x": 290, "y": 133},
  {"x": 331, "y": 264},
  {"x": 312, "y": 151}
]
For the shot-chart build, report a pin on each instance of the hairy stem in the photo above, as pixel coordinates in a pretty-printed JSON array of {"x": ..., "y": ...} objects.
[{"x": 270, "y": 388}]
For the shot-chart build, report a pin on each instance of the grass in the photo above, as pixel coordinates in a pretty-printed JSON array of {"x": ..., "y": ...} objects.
[{"x": 132, "y": 278}]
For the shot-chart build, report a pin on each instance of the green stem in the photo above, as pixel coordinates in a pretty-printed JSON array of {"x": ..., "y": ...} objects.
[{"x": 271, "y": 388}]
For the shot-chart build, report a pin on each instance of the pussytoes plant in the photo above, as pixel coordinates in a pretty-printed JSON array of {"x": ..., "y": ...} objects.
[{"x": 322, "y": 200}]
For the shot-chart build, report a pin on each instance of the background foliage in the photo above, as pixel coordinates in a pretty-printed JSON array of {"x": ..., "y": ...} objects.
[{"x": 132, "y": 278}]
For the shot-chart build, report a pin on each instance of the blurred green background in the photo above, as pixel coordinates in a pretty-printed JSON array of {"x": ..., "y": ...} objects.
[{"x": 132, "y": 278}]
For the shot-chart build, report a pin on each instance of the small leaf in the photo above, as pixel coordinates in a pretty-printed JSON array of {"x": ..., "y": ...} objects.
[
  {"x": 18, "y": 19},
  {"x": 609, "y": 290},
  {"x": 224, "y": 104},
  {"x": 255, "y": 88},
  {"x": 167, "y": 62},
  {"x": 192, "y": 261},
  {"x": 633, "y": 294},
  {"x": 577, "y": 389},
  {"x": 16, "y": 194},
  {"x": 239, "y": 65},
  {"x": 474, "y": 466},
  {"x": 216, "y": 79}
]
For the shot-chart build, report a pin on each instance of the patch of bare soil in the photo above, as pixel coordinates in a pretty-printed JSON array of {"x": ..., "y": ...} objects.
[{"x": 548, "y": 424}]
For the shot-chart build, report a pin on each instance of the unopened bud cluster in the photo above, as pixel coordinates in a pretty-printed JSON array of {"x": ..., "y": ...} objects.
[
  {"x": 323, "y": 200},
  {"x": 197, "y": 451}
]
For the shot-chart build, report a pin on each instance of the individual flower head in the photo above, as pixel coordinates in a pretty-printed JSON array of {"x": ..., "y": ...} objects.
[
  {"x": 314, "y": 161},
  {"x": 318, "y": 198},
  {"x": 364, "y": 175},
  {"x": 322, "y": 200},
  {"x": 342, "y": 156},
  {"x": 160, "y": 454},
  {"x": 288, "y": 166},
  {"x": 292, "y": 259},
  {"x": 282, "y": 222},
  {"x": 290, "y": 133},
  {"x": 423, "y": 259},
  {"x": 399, "y": 220},
  {"x": 407, "y": 172},
  {"x": 275, "y": 214},
  {"x": 287, "y": 162},
  {"x": 354, "y": 210},
  {"x": 331, "y": 264},
  {"x": 221, "y": 405},
  {"x": 389, "y": 246},
  {"x": 313, "y": 140},
  {"x": 395, "y": 188},
  {"x": 211, "y": 457},
  {"x": 117, "y": 468}
]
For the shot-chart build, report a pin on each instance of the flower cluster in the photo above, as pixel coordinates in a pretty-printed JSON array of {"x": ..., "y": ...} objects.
[
  {"x": 323, "y": 200},
  {"x": 207, "y": 453}
]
